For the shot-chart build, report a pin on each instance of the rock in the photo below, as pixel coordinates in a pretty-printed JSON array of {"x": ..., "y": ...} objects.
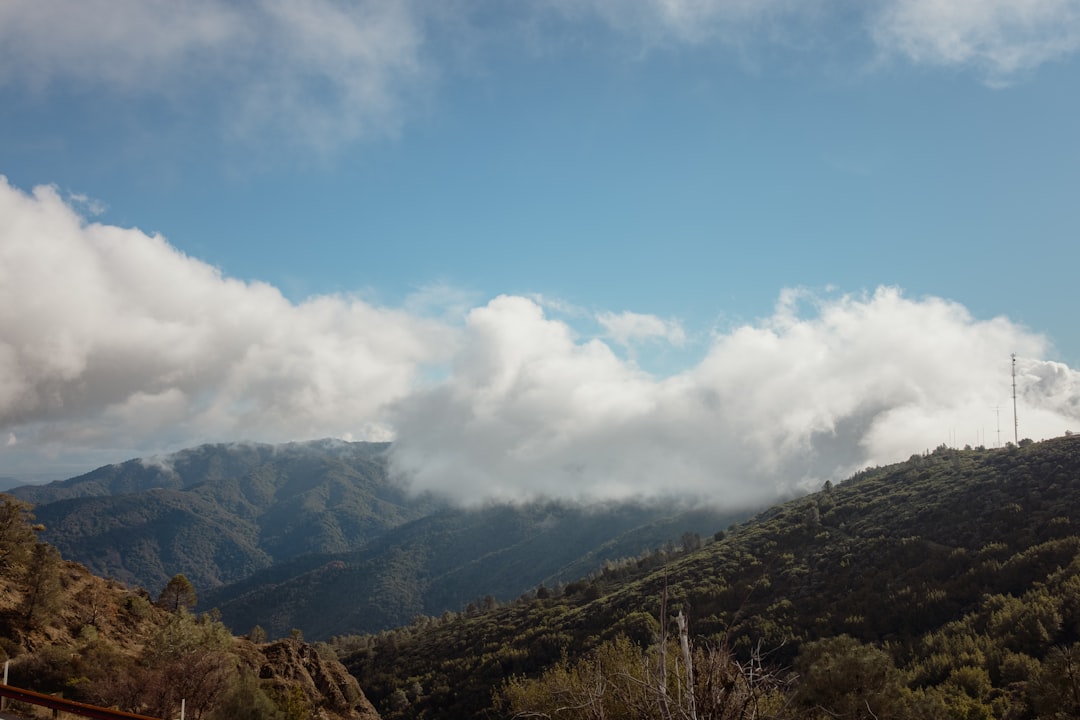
[{"x": 326, "y": 684}]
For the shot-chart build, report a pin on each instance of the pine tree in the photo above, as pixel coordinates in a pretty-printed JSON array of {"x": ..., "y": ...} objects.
[
  {"x": 178, "y": 594},
  {"x": 42, "y": 596},
  {"x": 16, "y": 535}
]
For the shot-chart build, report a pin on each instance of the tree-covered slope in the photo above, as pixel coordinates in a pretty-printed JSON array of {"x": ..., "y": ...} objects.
[
  {"x": 217, "y": 513},
  {"x": 445, "y": 560},
  {"x": 66, "y": 631},
  {"x": 955, "y": 564},
  {"x": 316, "y": 536}
]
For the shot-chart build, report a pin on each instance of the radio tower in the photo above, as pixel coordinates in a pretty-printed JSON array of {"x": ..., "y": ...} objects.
[
  {"x": 1016, "y": 421},
  {"x": 998, "y": 409}
]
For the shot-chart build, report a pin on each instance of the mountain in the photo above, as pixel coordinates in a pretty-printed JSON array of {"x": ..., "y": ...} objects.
[
  {"x": 316, "y": 536},
  {"x": 954, "y": 576},
  {"x": 946, "y": 586},
  {"x": 445, "y": 560},
  {"x": 218, "y": 513}
]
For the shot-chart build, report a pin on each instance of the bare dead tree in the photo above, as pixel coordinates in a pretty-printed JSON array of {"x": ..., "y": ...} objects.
[{"x": 671, "y": 680}]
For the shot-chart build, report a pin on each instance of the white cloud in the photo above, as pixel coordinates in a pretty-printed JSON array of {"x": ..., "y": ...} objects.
[
  {"x": 1000, "y": 37},
  {"x": 110, "y": 338},
  {"x": 526, "y": 408},
  {"x": 997, "y": 38},
  {"x": 774, "y": 408},
  {"x": 629, "y": 328},
  {"x": 85, "y": 203},
  {"x": 320, "y": 72},
  {"x": 114, "y": 344},
  {"x": 324, "y": 73},
  {"x": 693, "y": 21},
  {"x": 128, "y": 44}
]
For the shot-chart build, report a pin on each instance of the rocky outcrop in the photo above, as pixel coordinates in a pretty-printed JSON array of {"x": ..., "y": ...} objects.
[
  {"x": 102, "y": 643},
  {"x": 291, "y": 666}
]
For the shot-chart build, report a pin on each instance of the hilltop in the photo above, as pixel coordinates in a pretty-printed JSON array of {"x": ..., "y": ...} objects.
[
  {"x": 946, "y": 586},
  {"x": 955, "y": 573}
]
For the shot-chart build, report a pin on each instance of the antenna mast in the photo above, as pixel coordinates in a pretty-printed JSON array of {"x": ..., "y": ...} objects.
[{"x": 1016, "y": 421}]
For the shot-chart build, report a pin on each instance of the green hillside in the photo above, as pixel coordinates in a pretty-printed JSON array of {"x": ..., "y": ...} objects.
[
  {"x": 955, "y": 574},
  {"x": 316, "y": 536},
  {"x": 218, "y": 513},
  {"x": 66, "y": 632},
  {"x": 444, "y": 561}
]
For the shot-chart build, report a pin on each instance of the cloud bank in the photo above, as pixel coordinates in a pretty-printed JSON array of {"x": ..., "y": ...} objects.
[
  {"x": 324, "y": 73},
  {"x": 114, "y": 344},
  {"x": 112, "y": 339},
  {"x": 773, "y": 409}
]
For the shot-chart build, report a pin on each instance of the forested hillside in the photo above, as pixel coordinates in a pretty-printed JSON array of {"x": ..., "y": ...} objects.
[
  {"x": 317, "y": 536},
  {"x": 218, "y": 513},
  {"x": 947, "y": 586},
  {"x": 64, "y": 630},
  {"x": 448, "y": 559},
  {"x": 944, "y": 586}
]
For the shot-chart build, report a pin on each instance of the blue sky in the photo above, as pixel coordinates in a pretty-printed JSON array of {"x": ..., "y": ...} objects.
[{"x": 656, "y": 181}]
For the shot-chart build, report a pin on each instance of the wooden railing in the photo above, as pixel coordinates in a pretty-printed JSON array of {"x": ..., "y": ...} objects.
[{"x": 67, "y": 706}]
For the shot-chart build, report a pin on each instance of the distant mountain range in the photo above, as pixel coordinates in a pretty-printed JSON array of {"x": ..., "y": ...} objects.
[
  {"x": 316, "y": 535},
  {"x": 218, "y": 513}
]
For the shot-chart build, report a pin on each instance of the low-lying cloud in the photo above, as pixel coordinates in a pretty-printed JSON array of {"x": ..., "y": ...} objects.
[
  {"x": 820, "y": 389},
  {"x": 114, "y": 344}
]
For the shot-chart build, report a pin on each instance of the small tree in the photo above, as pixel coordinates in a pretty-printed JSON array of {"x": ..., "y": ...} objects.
[
  {"x": 95, "y": 604},
  {"x": 178, "y": 594},
  {"x": 257, "y": 635},
  {"x": 843, "y": 678},
  {"x": 670, "y": 680},
  {"x": 43, "y": 590},
  {"x": 691, "y": 541},
  {"x": 16, "y": 535},
  {"x": 247, "y": 701},
  {"x": 187, "y": 659}
]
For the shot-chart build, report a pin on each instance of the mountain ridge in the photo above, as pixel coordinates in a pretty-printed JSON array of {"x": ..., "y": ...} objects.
[
  {"x": 265, "y": 532},
  {"x": 218, "y": 512},
  {"x": 953, "y": 564}
]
